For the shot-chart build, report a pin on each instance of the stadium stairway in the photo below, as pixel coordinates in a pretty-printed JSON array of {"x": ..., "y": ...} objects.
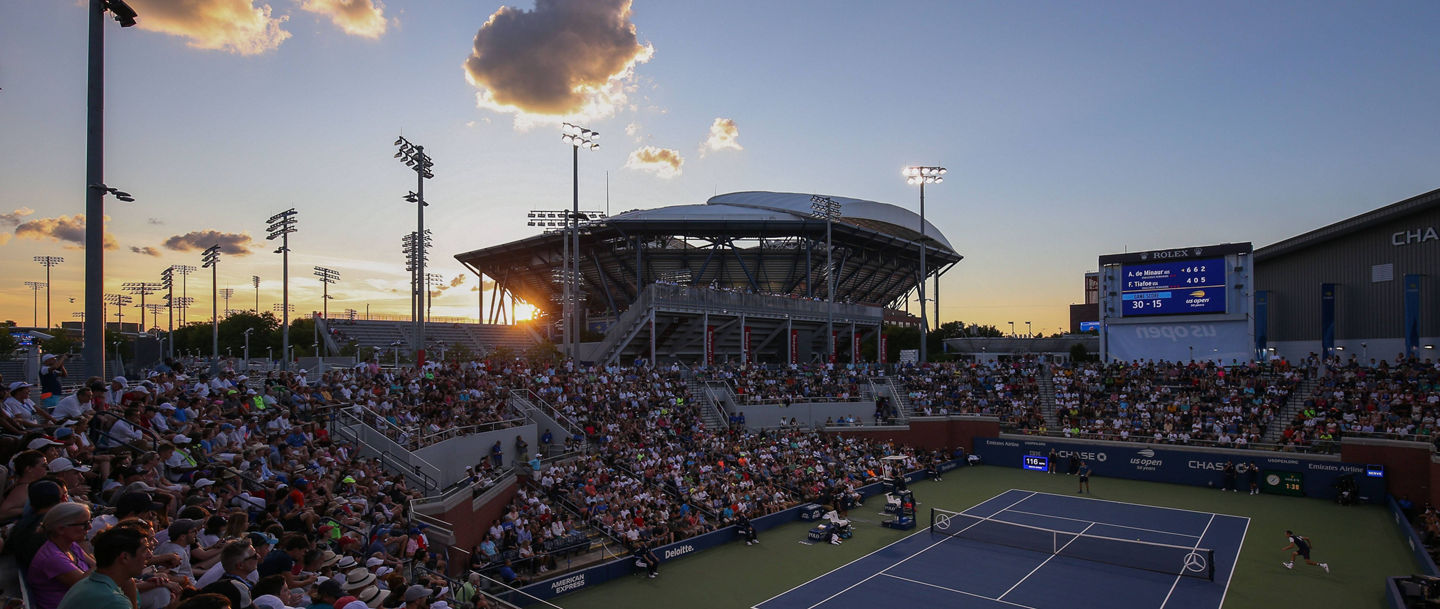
[
  {"x": 897, "y": 392},
  {"x": 1046, "y": 383},
  {"x": 710, "y": 410},
  {"x": 1293, "y": 404}
]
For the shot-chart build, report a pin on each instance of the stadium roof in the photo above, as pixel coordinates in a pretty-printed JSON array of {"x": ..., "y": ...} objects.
[
  {"x": 1413, "y": 205},
  {"x": 765, "y": 242}
]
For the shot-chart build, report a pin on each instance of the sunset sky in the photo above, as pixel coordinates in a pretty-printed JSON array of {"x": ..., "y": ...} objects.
[{"x": 1070, "y": 130}]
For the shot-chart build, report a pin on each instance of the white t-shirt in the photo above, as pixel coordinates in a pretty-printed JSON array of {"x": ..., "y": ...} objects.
[
  {"x": 70, "y": 407},
  {"x": 20, "y": 410}
]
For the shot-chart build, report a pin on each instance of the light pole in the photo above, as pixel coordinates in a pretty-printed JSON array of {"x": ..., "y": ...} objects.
[
  {"x": 576, "y": 137},
  {"x": 48, "y": 262},
  {"x": 226, "y": 293},
  {"x": 279, "y": 226},
  {"x": 284, "y": 310},
  {"x": 246, "y": 334},
  {"x": 1028, "y": 332},
  {"x": 327, "y": 277},
  {"x": 1012, "y": 329},
  {"x": 922, "y": 175},
  {"x": 154, "y": 310},
  {"x": 185, "y": 301},
  {"x": 827, "y": 208},
  {"x": 430, "y": 280},
  {"x": 167, "y": 281},
  {"x": 95, "y": 189},
  {"x": 416, "y": 254},
  {"x": 255, "y": 281},
  {"x": 415, "y": 158},
  {"x": 35, "y": 287},
  {"x": 120, "y": 301},
  {"x": 558, "y": 221},
  {"x": 210, "y": 259},
  {"x": 143, "y": 289}
]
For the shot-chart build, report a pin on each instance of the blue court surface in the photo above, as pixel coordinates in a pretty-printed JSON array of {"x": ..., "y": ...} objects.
[{"x": 935, "y": 569}]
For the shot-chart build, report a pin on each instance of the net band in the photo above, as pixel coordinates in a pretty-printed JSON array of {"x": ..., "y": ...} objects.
[{"x": 1186, "y": 561}]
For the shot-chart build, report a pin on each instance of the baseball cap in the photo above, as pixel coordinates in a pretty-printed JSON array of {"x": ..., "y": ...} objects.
[
  {"x": 261, "y": 539},
  {"x": 182, "y": 526},
  {"x": 41, "y": 443},
  {"x": 202, "y": 483},
  {"x": 122, "y": 380},
  {"x": 415, "y": 593},
  {"x": 18, "y": 385},
  {"x": 63, "y": 432},
  {"x": 64, "y": 464}
]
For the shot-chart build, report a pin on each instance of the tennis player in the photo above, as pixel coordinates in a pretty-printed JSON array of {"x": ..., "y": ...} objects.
[
  {"x": 1084, "y": 472},
  {"x": 1301, "y": 546}
]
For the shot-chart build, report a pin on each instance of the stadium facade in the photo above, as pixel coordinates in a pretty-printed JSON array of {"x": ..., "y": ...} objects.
[
  {"x": 1364, "y": 287},
  {"x": 741, "y": 276}
]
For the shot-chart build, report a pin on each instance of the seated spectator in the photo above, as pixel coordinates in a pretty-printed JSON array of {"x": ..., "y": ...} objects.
[{"x": 62, "y": 561}]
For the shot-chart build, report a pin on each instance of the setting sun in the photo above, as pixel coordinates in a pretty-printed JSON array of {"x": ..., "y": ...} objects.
[{"x": 525, "y": 312}]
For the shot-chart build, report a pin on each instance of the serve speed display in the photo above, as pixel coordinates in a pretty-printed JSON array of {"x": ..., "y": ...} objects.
[
  {"x": 1036, "y": 463},
  {"x": 1173, "y": 288}
]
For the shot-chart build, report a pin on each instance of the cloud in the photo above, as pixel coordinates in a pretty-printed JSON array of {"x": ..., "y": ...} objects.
[
  {"x": 155, "y": 221},
  {"x": 566, "y": 58},
  {"x": 663, "y": 162},
  {"x": 364, "y": 18},
  {"x": 13, "y": 218},
  {"x": 723, "y": 135},
  {"x": 234, "y": 244},
  {"x": 66, "y": 229},
  {"x": 147, "y": 250},
  {"x": 458, "y": 280},
  {"x": 233, "y": 26},
  {"x": 632, "y": 129}
]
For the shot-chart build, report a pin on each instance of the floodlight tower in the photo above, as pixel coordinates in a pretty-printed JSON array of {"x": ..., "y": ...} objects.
[
  {"x": 327, "y": 276},
  {"x": 577, "y": 137},
  {"x": 184, "y": 270},
  {"x": 279, "y": 226},
  {"x": 143, "y": 289},
  {"x": 431, "y": 279},
  {"x": 120, "y": 301},
  {"x": 415, "y": 257},
  {"x": 167, "y": 282},
  {"x": 95, "y": 188},
  {"x": 48, "y": 262},
  {"x": 415, "y": 158},
  {"x": 922, "y": 175},
  {"x": 210, "y": 259},
  {"x": 827, "y": 208},
  {"x": 255, "y": 281},
  {"x": 226, "y": 293},
  {"x": 154, "y": 310},
  {"x": 35, "y": 287}
]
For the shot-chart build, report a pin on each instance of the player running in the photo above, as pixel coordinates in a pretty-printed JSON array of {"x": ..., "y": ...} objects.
[{"x": 1301, "y": 545}]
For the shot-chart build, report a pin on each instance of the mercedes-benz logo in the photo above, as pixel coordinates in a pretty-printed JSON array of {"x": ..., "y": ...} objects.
[
  {"x": 942, "y": 521},
  {"x": 1195, "y": 562}
]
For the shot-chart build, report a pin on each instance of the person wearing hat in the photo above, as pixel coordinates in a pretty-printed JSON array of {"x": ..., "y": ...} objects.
[
  {"x": 72, "y": 474},
  {"x": 371, "y": 596},
  {"x": 415, "y": 597},
  {"x": 52, "y": 369},
  {"x": 20, "y": 409},
  {"x": 62, "y": 560},
  {"x": 325, "y": 594},
  {"x": 358, "y": 579}
]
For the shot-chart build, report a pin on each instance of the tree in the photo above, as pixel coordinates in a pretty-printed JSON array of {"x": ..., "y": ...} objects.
[
  {"x": 8, "y": 344},
  {"x": 1078, "y": 353},
  {"x": 61, "y": 343},
  {"x": 542, "y": 352}
]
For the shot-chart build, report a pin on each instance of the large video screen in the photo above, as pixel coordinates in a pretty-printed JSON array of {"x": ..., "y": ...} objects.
[{"x": 1173, "y": 288}]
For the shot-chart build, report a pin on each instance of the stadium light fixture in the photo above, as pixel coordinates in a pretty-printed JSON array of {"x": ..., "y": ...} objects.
[
  {"x": 921, "y": 175},
  {"x": 48, "y": 262},
  {"x": 576, "y": 137},
  {"x": 279, "y": 226},
  {"x": 414, "y": 157}
]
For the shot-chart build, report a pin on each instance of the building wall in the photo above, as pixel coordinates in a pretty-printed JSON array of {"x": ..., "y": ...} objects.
[{"x": 1364, "y": 309}]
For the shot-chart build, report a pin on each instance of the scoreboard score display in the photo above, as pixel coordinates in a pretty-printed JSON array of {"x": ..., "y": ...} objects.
[
  {"x": 1035, "y": 463},
  {"x": 1173, "y": 288}
]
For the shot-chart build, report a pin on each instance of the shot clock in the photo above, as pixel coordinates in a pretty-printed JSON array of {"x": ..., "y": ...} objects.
[{"x": 1035, "y": 463}]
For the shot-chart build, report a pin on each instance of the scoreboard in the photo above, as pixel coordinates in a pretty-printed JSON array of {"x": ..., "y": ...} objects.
[
  {"x": 1035, "y": 463},
  {"x": 1173, "y": 288}
]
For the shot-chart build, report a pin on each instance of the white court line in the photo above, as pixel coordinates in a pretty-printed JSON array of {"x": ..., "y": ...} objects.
[
  {"x": 902, "y": 561},
  {"x": 1047, "y": 559},
  {"x": 1182, "y": 572},
  {"x": 877, "y": 550},
  {"x": 1157, "y": 507},
  {"x": 915, "y": 581},
  {"x": 1231, "y": 578},
  {"x": 1108, "y": 524}
]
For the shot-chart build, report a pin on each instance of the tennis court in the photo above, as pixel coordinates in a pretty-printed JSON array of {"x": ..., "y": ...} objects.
[{"x": 1041, "y": 551}]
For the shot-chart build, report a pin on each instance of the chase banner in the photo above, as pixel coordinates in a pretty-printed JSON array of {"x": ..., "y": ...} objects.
[{"x": 1294, "y": 474}]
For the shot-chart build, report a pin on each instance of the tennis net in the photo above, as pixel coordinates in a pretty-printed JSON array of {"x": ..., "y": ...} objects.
[{"x": 1131, "y": 553}]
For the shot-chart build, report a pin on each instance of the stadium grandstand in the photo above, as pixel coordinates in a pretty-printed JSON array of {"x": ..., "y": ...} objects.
[{"x": 744, "y": 264}]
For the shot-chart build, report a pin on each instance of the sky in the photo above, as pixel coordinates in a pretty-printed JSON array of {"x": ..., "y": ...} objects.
[{"x": 1070, "y": 130}]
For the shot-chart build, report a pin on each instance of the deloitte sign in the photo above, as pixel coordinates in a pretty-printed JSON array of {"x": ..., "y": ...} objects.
[{"x": 1315, "y": 476}]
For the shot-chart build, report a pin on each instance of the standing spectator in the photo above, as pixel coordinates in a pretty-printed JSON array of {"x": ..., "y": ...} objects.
[
  {"x": 120, "y": 556},
  {"x": 62, "y": 561},
  {"x": 52, "y": 369}
]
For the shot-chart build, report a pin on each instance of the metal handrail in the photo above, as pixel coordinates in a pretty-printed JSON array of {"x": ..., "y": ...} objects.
[
  {"x": 1321, "y": 448},
  {"x": 455, "y": 432},
  {"x": 540, "y": 404}
]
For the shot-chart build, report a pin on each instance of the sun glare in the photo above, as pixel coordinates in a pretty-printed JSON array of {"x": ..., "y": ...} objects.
[{"x": 525, "y": 312}]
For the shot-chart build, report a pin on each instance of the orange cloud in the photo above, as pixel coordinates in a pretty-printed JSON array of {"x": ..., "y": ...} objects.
[
  {"x": 364, "y": 18},
  {"x": 148, "y": 251},
  {"x": 233, "y": 26},
  {"x": 234, "y": 244},
  {"x": 723, "y": 135},
  {"x": 13, "y": 218},
  {"x": 65, "y": 229},
  {"x": 566, "y": 58},
  {"x": 663, "y": 162}
]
